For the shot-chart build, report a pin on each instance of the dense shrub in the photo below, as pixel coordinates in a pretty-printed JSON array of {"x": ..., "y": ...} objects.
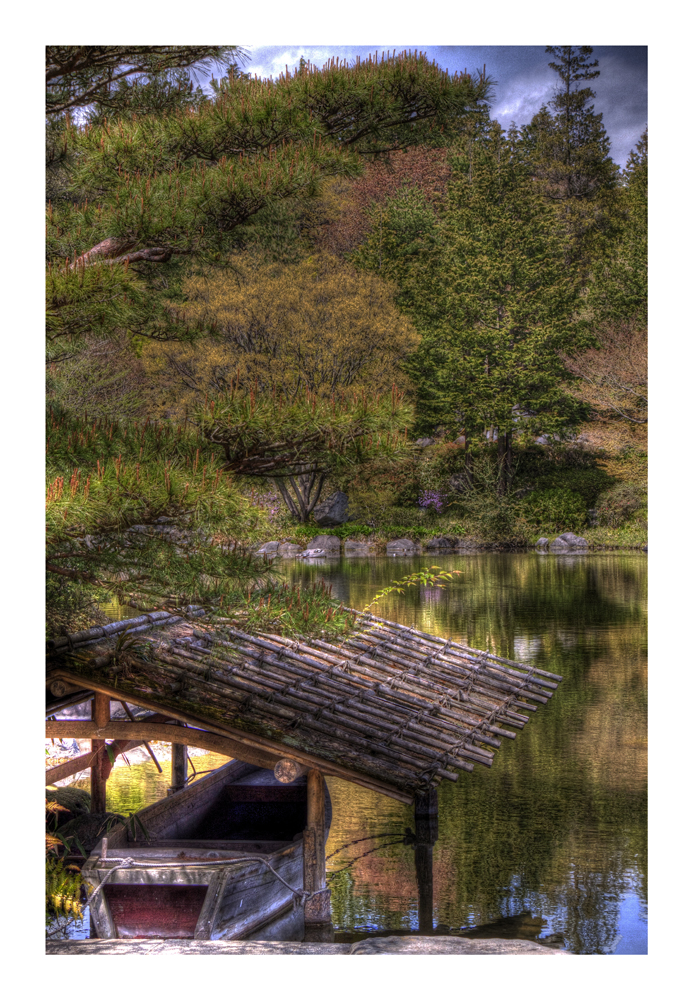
[
  {"x": 619, "y": 505},
  {"x": 556, "y": 509}
]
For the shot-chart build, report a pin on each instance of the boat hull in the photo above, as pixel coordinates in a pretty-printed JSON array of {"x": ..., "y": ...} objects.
[{"x": 209, "y": 868}]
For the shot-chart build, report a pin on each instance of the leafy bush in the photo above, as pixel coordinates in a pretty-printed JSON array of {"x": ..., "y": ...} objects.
[
  {"x": 619, "y": 505},
  {"x": 557, "y": 509}
]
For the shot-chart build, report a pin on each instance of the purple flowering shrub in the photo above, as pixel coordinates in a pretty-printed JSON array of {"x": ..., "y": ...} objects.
[
  {"x": 269, "y": 502},
  {"x": 432, "y": 499}
]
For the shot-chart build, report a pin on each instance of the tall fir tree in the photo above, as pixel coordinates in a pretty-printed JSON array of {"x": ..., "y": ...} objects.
[
  {"x": 492, "y": 297},
  {"x": 569, "y": 148}
]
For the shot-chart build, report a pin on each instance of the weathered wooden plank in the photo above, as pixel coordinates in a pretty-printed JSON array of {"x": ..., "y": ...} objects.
[
  {"x": 317, "y": 908},
  {"x": 83, "y": 729}
]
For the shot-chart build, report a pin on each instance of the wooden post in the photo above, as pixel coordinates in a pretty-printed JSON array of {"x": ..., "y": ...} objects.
[
  {"x": 426, "y": 823},
  {"x": 101, "y": 715},
  {"x": 179, "y": 767},
  {"x": 317, "y": 912}
]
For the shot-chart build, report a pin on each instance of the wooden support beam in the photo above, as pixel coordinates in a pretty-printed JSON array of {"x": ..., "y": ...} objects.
[
  {"x": 85, "y": 760},
  {"x": 317, "y": 912},
  {"x": 81, "y": 763},
  {"x": 100, "y": 713},
  {"x": 179, "y": 767},
  {"x": 247, "y": 742},
  {"x": 287, "y": 770},
  {"x": 82, "y": 730}
]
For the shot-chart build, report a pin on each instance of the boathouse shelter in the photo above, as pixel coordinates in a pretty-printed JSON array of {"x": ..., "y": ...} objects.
[{"x": 390, "y": 708}]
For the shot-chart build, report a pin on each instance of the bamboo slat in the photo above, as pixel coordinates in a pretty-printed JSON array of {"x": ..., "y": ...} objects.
[{"x": 390, "y": 707}]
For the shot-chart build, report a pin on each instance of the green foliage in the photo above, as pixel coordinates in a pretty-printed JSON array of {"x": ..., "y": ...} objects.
[
  {"x": 425, "y": 577},
  {"x": 402, "y": 232},
  {"x": 63, "y": 890},
  {"x": 128, "y": 508},
  {"x": 294, "y": 611},
  {"x": 486, "y": 513},
  {"x": 123, "y": 77},
  {"x": 619, "y": 287},
  {"x": 557, "y": 510},
  {"x": 296, "y": 441},
  {"x": 174, "y": 176},
  {"x": 620, "y": 505}
]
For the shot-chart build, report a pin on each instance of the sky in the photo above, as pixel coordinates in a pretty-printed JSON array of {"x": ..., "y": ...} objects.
[{"x": 523, "y": 78}]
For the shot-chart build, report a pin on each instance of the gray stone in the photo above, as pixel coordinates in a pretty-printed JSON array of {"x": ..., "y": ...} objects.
[
  {"x": 312, "y": 554},
  {"x": 288, "y": 550},
  {"x": 268, "y": 549},
  {"x": 443, "y": 542},
  {"x": 424, "y": 442},
  {"x": 354, "y": 548},
  {"x": 567, "y": 542},
  {"x": 444, "y": 945},
  {"x": 575, "y": 541},
  {"x": 542, "y": 543},
  {"x": 393, "y": 945},
  {"x": 400, "y": 547},
  {"x": 333, "y": 510},
  {"x": 330, "y": 543}
]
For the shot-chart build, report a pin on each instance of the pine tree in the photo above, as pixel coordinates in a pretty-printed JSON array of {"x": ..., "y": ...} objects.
[
  {"x": 494, "y": 303},
  {"x": 153, "y": 197},
  {"x": 161, "y": 191},
  {"x": 569, "y": 148}
]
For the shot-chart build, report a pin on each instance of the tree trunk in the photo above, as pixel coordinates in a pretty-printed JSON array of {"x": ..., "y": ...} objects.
[
  {"x": 505, "y": 455},
  {"x": 301, "y": 493}
]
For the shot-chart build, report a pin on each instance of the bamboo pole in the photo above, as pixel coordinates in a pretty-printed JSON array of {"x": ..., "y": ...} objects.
[
  {"x": 380, "y": 720},
  {"x": 332, "y": 735},
  {"x": 267, "y": 687},
  {"x": 479, "y": 653},
  {"x": 422, "y": 704}
]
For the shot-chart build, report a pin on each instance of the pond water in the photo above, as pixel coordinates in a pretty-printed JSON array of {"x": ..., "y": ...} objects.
[{"x": 552, "y": 839}]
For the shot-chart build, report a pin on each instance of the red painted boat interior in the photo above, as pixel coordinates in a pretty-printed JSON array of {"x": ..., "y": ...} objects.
[{"x": 155, "y": 911}]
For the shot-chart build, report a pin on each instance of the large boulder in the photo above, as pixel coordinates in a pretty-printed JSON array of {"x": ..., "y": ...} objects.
[
  {"x": 268, "y": 549},
  {"x": 443, "y": 542},
  {"x": 354, "y": 548},
  {"x": 288, "y": 550},
  {"x": 330, "y": 543},
  {"x": 575, "y": 541},
  {"x": 568, "y": 542},
  {"x": 401, "y": 547},
  {"x": 542, "y": 543},
  {"x": 332, "y": 511}
]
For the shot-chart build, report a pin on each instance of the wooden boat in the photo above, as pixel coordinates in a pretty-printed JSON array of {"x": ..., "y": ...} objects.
[{"x": 195, "y": 877}]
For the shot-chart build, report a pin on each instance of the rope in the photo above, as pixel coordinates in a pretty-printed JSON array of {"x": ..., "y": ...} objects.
[{"x": 300, "y": 896}]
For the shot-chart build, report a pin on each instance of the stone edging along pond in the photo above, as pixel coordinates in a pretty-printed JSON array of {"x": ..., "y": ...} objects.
[{"x": 330, "y": 545}]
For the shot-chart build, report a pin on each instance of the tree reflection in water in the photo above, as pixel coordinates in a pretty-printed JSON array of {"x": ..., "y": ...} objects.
[{"x": 551, "y": 840}]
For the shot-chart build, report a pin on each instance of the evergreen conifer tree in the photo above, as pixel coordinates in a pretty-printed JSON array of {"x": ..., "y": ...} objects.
[{"x": 569, "y": 148}]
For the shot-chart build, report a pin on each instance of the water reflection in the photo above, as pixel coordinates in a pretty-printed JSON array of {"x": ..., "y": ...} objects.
[
  {"x": 552, "y": 839},
  {"x": 557, "y": 827}
]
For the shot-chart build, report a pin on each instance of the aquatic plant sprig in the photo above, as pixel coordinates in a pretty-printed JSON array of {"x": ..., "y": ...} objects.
[{"x": 426, "y": 577}]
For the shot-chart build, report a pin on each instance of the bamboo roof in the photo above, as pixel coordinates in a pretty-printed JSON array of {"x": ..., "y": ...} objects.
[{"x": 391, "y": 708}]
